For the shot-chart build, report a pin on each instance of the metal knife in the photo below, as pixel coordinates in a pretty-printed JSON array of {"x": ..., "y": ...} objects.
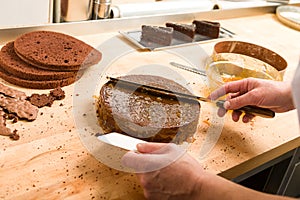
[
  {"x": 226, "y": 31},
  {"x": 262, "y": 112},
  {"x": 187, "y": 68}
]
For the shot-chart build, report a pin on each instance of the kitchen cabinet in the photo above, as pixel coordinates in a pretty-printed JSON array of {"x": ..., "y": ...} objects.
[
  {"x": 16, "y": 13},
  {"x": 278, "y": 176}
]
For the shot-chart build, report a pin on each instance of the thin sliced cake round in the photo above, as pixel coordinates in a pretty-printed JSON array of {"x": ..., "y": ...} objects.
[
  {"x": 34, "y": 84},
  {"x": 11, "y": 64},
  {"x": 55, "y": 51}
]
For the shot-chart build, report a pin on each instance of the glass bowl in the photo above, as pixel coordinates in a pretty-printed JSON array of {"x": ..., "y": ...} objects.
[{"x": 220, "y": 72}]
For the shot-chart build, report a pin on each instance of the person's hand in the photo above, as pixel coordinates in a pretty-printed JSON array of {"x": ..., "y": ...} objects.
[
  {"x": 274, "y": 95},
  {"x": 165, "y": 171}
]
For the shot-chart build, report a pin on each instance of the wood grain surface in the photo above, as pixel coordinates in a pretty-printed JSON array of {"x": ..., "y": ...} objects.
[{"x": 49, "y": 161}]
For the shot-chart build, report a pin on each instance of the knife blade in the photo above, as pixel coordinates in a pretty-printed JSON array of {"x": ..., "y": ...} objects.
[
  {"x": 156, "y": 91},
  {"x": 258, "y": 111},
  {"x": 226, "y": 31},
  {"x": 187, "y": 68}
]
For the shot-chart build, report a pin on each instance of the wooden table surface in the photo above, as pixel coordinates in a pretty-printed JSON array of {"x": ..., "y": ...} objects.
[{"x": 49, "y": 161}]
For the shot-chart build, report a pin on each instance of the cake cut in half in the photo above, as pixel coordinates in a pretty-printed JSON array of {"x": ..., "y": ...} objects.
[{"x": 147, "y": 116}]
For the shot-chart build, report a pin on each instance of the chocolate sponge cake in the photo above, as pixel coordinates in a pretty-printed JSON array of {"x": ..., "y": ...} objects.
[
  {"x": 11, "y": 64},
  {"x": 157, "y": 34},
  {"x": 184, "y": 32},
  {"x": 33, "y": 84},
  {"x": 207, "y": 28},
  {"x": 55, "y": 51},
  {"x": 150, "y": 117},
  {"x": 15, "y": 71}
]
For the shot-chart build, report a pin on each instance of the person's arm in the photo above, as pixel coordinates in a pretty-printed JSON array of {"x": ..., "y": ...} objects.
[
  {"x": 274, "y": 95},
  {"x": 214, "y": 187},
  {"x": 166, "y": 171}
]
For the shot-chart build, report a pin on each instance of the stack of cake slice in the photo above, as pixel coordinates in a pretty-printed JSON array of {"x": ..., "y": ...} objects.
[{"x": 46, "y": 60}]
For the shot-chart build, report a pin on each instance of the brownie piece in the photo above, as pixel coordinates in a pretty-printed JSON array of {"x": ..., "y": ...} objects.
[
  {"x": 207, "y": 28},
  {"x": 147, "y": 116},
  {"x": 185, "y": 32},
  {"x": 55, "y": 51},
  {"x": 156, "y": 34}
]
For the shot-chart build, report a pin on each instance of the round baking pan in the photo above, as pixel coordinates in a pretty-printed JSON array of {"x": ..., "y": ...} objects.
[{"x": 265, "y": 60}]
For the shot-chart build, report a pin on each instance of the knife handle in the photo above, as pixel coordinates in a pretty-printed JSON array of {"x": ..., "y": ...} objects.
[{"x": 254, "y": 110}]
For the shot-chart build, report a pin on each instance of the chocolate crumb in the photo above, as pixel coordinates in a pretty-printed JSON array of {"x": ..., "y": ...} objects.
[
  {"x": 5, "y": 131},
  {"x": 57, "y": 93},
  {"x": 15, "y": 120},
  {"x": 41, "y": 100},
  {"x": 11, "y": 116},
  {"x": 21, "y": 108},
  {"x": 14, "y": 105},
  {"x": 14, "y": 135},
  {"x": 13, "y": 93}
]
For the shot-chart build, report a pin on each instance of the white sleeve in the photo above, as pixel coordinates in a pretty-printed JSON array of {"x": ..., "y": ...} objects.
[{"x": 296, "y": 90}]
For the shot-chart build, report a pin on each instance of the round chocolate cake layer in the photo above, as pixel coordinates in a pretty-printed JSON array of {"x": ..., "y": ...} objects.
[
  {"x": 55, "y": 51},
  {"x": 13, "y": 65},
  {"x": 159, "y": 118},
  {"x": 33, "y": 84}
]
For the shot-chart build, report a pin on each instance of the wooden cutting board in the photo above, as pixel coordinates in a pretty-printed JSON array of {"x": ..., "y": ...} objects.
[{"x": 50, "y": 161}]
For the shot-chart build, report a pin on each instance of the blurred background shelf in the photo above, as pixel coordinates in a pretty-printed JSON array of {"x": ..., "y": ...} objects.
[{"x": 40, "y": 12}]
